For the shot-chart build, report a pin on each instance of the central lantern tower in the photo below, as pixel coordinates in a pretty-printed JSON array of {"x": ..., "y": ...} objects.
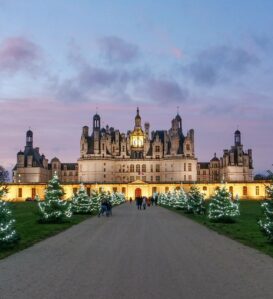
[{"x": 137, "y": 139}]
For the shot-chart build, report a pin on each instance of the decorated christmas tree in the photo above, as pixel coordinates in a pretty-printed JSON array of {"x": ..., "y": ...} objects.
[
  {"x": 162, "y": 199},
  {"x": 81, "y": 202},
  {"x": 180, "y": 199},
  {"x": 117, "y": 198},
  {"x": 54, "y": 209},
  {"x": 195, "y": 203},
  {"x": 266, "y": 223},
  {"x": 8, "y": 234},
  {"x": 96, "y": 198},
  {"x": 222, "y": 208}
]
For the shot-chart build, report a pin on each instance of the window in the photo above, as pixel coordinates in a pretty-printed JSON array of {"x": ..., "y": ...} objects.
[
  {"x": 143, "y": 168},
  {"x": 115, "y": 189},
  {"x": 144, "y": 178},
  {"x": 138, "y": 168},
  {"x": 151, "y": 168},
  {"x": 245, "y": 190},
  {"x": 157, "y": 149},
  {"x": 123, "y": 148},
  {"x": 20, "y": 192},
  {"x": 132, "y": 178},
  {"x": 157, "y": 168},
  {"x": 154, "y": 189},
  {"x": 104, "y": 169},
  {"x": 166, "y": 189},
  {"x": 190, "y": 178},
  {"x": 189, "y": 167},
  {"x": 157, "y": 178},
  {"x": 123, "y": 190},
  {"x": 74, "y": 190},
  {"x": 257, "y": 190},
  {"x": 231, "y": 189},
  {"x": 132, "y": 168},
  {"x": 152, "y": 178},
  {"x": 177, "y": 188},
  {"x": 185, "y": 167},
  {"x": 185, "y": 177},
  {"x": 205, "y": 188},
  {"x": 157, "y": 157},
  {"x": 204, "y": 172},
  {"x": 188, "y": 148},
  {"x": 88, "y": 190},
  {"x": 104, "y": 175},
  {"x": 70, "y": 173},
  {"x": 137, "y": 177}
]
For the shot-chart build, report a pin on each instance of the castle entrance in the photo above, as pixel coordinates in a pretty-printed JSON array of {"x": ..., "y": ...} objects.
[{"x": 138, "y": 192}]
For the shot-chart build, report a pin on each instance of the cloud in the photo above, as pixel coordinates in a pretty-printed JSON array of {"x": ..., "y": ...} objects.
[
  {"x": 162, "y": 91},
  {"x": 117, "y": 50},
  {"x": 19, "y": 54},
  {"x": 220, "y": 64},
  {"x": 93, "y": 83}
]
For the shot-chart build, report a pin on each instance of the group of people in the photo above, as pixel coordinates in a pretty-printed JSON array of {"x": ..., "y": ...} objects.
[
  {"x": 106, "y": 207},
  {"x": 142, "y": 201}
]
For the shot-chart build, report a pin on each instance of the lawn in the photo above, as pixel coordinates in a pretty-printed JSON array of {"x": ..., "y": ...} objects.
[
  {"x": 244, "y": 230},
  {"x": 30, "y": 231}
]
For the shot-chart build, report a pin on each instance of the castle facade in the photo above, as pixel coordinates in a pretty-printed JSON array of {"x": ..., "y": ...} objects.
[{"x": 110, "y": 156}]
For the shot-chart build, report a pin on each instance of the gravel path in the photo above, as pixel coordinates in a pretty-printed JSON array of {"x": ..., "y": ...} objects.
[{"x": 137, "y": 254}]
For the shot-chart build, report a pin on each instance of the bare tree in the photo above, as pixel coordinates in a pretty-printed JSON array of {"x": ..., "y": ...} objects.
[{"x": 4, "y": 175}]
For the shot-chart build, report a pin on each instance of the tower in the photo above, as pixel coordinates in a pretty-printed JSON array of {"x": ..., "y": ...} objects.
[
  {"x": 237, "y": 138},
  {"x": 96, "y": 133},
  {"x": 137, "y": 120},
  {"x": 29, "y": 139}
]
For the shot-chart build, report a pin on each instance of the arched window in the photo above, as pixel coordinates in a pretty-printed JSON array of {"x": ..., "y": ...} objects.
[
  {"x": 245, "y": 190},
  {"x": 132, "y": 168},
  {"x": 138, "y": 168},
  {"x": 143, "y": 168}
]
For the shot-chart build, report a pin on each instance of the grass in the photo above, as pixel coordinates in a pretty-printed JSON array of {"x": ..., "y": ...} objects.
[
  {"x": 30, "y": 231},
  {"x": 244, "y": 230}
]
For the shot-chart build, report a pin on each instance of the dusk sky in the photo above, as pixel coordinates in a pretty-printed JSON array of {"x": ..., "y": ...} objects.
[{"x": 61, "y": 59}]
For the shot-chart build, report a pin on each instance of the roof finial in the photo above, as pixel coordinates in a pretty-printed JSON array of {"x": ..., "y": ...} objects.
[
  {"x": 137, "y": 111},
  {"x": 177, "y": 109},
  {"x": 96, "y": 109}
]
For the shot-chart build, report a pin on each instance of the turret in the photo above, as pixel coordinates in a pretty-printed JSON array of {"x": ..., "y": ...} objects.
[
  {"x": 29, "y": 138},
  {"x": 147, "y": 130},
  {"x": 85, "y": 131},
  {"x": 96, "y": 122},
  {"x": 237, "y": 138},
  {"x": 137, "y": 120},
  {"x": 20, "y": 159}
]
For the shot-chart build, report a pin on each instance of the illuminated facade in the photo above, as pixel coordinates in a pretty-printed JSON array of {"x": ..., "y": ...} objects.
[{"x": 108, "y": 156}]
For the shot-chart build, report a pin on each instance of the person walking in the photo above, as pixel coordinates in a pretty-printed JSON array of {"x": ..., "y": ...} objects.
[
  {"x": 144, "y": 202},
  {"x": 152, "y": 200},
  {"x": 138, "y": 203},
  {"x": 131, "y": 200},
  {"x": 103, "y": 207},
  {"x": 156, "y": 199}
]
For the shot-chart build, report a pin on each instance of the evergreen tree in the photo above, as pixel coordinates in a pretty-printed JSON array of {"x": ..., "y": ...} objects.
[
  {"x": 180, "y": 199},
  {"x": 195, "y": 203},
  {"x": 266, "y": 223},
  {"x": 54, "y": 209},
  {"x": 221, "y": 207},
  {"x": 96, "y": 198},
  {"x": 81, "y": 202},
  {"x": 8, "y": 234},
  {"x": 162, "y": 199}
]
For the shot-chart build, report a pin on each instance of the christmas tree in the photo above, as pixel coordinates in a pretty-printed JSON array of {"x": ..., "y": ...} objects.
[
  {"x": 81, "y": 202},
  {"x": 180, "y": 199},
  {"x": 266, "y": 223},
  {"x": 96, "y": 198},
  {"x": 8, "y": 235},
  {"x": 195, "y": 203},
  {"x": 54, "y": 209},
  {"x": 221, "y": 207},
  {"x": 117, "y": 198}
]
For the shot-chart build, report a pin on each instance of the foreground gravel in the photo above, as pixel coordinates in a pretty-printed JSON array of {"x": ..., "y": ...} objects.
[{"x": 137, "y": 254}]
